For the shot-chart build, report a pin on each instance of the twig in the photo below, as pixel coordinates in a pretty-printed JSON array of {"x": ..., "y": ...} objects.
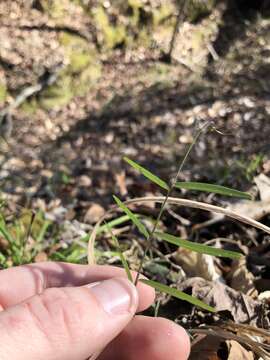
[{"x": 202, "y": 206}]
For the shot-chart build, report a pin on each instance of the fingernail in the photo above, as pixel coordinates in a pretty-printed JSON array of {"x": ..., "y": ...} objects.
[{"x": 117, "y": 296}]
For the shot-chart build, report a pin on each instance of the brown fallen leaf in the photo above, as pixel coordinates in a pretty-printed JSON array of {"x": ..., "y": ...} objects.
[
  {"x": 263, "y": 184},
  {"x": 196, "y": 264},
  {"x": 121, "y": 182},
  {"x": 262, "y": 350},
  {"x": 241, "y": 279},
  {"x": 255, "y": 210},
  {"x": 265, "y": 296},
  {"x": 205, "y": 347},
  {"x": 241, "y": 307},
  {"x": 237, "y": 351}
]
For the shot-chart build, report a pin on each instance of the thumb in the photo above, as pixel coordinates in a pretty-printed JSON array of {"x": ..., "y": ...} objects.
[{"x": 67, "y": 323}]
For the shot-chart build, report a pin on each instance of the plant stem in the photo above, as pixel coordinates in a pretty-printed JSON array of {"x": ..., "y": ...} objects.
[
  {"x": 162, "y": 208},
  {"x": 28, "y": 234}
]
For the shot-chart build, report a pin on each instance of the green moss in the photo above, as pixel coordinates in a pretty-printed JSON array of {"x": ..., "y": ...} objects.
[
  {"x": 130, "y": 23},
  {"x": 58, "y": 94},
  {"x": 135, "y": 5},
  {"x": 199, "y": 8},
  {"x": 30, "y": 106},
  {"x": 3, "y": 93},
  {"x": 111, "y": 35},
  {"x": 164, "y": 12},
  {"x": 55, "y": 8},
  {"x": 78, "y": 51},
  {"x": 79, "y": 75}
]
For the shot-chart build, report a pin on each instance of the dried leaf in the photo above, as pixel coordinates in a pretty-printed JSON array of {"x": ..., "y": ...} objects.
[
  {"x": 195, "y": 264},
  {"x": 227, "y": 334},
  {"x": 263, "y": 183},
  {"x": 241, "y": 307},
  {"x": 121, "y": 182},
  {"x": 205, "y": 348},
  {"x": 237, "y": 351},
  {"x": 255, "y": 210},
  {"x": 241, "y": 279},
  {"x": 265, "y": 296}
]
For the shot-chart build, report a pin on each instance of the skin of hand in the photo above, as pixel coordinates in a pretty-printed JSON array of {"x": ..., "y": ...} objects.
[{"x": 60, "y": 311}]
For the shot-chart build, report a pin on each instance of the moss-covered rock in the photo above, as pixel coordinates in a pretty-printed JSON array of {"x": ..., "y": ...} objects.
[
  {"x": 80, "y": 74},
  {"x": 61, "y": 11},
  {"x": 130, "y": 23},
  {"x": 109, "y": 35},
  {"x": 197, "y": 9},
  {"x": 121, "y": 23}
]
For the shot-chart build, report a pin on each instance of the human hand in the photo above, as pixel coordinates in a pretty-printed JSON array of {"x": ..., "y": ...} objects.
[{"x": 53, "y": 311}]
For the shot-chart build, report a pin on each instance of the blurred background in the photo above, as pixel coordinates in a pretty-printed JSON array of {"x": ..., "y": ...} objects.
[{"x": 83, "y": 83}]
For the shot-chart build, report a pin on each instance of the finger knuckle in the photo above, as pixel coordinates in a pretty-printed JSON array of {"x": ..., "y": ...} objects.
[{"x": 56, "y": 314}]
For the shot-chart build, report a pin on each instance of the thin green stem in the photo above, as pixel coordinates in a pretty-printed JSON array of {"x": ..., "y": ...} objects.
[
  {"x": 28, "y": 234},
  {"x": 162, "y": 208},
  {"x": 198, "y": 134}
]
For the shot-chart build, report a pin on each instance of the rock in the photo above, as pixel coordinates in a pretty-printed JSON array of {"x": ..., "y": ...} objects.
[
  {"x": 85, "y": 181},
  {"x": 94, "y": 213}
]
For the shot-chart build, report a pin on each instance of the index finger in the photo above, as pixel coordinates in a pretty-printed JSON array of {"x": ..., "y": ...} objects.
[{"x": 21, "y": 282}]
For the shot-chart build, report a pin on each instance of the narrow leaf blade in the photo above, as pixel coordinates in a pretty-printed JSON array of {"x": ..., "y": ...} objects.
[
  {"x": 211, "y": 188},
  {"x": 122, "y": 256},
  {"x": 132, "y": 217},
  {"x": 111, "y": 224},
  {"x": 148, "y": 174},
  {"x": 200, "y": 248},
  {"x": 178, "y": 294},
  {"x": 5, "y": 232}
]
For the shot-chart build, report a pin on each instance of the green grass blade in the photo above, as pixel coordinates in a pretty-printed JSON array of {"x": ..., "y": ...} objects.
[
  {"x": 200, "y": 248},
  {"x": 177, "y": 294},
  {"x": 43, "y": 231},
  {"x": 132, "y": 217},
  {"x": 115, "y": 222},
  {"x": 7, "y": 235},
  {"x": 155, "y": 179},
  {"x": 216, "y": 189},
  {"x": 122, "y": 257}
]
